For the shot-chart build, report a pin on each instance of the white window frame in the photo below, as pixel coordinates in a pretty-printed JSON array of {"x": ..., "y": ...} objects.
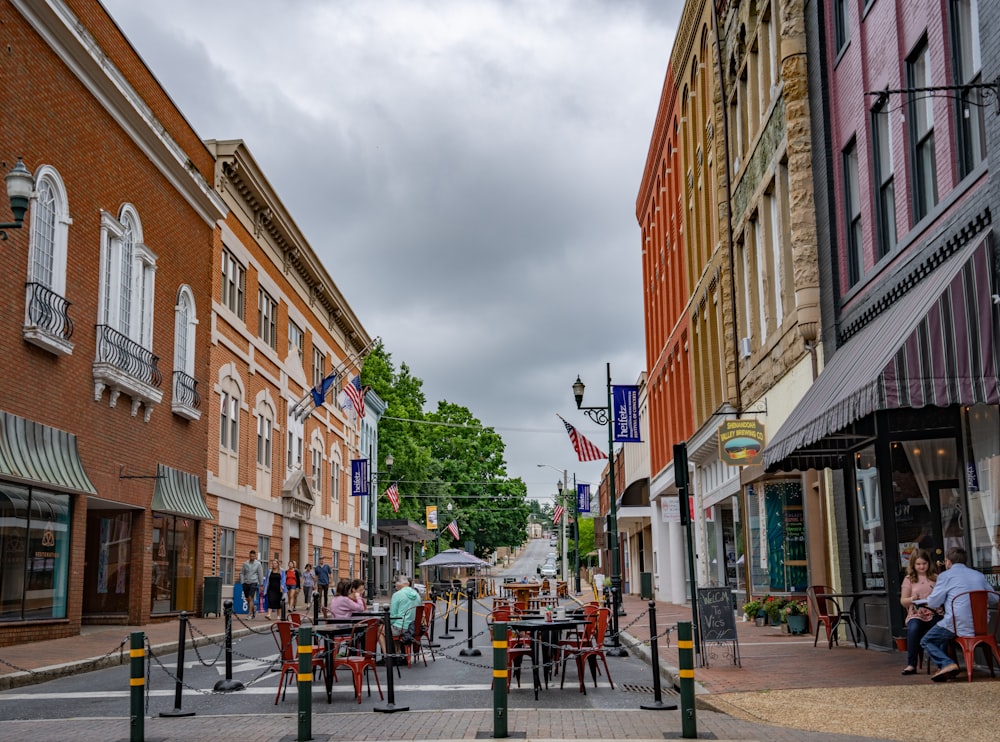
[
  {"x": 185, "y": 324},
  {"x": 234, "y": 278},
  {"x": 128, "y": 277},
  {"x": 267, "y": 318}
]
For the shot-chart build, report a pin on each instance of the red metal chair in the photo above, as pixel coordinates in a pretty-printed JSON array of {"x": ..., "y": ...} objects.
[
  {"x": 518, "y": 647},
  {"x": 979, "y": 603},
  {"x": 288, "y": 654},
  {"x": 365, "y": 634},
  {"x": 589, "y": 650},
  {"x": 829, "y": 614}
]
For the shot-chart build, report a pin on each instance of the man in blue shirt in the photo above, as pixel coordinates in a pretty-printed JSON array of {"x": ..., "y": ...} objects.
[
  {"x": 323, "y": 573},
  {"x": 957, "y": 578}
]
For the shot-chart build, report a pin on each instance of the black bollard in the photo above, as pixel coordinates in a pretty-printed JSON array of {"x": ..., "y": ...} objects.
[
  {"x": 179, "y": 686},
  {"x": 657, "y": 704},
  {"x": 137, "y": 686},
  {"x": 434, "y": 603},
  {"x": 616, "y": 650},
  {"x": 315, "y": 597},
  {"x": 685, "y": 658},
  {"x": 447, "y": 615},
  {"x": 284, "y": 608},
  {"x": 499, "y": 680},
  {"x": 228, "y": 684},
  {"x": 390, "y": 656},
  {"x": 458, "y": 597},
  {"x": 469, "y": 650}
]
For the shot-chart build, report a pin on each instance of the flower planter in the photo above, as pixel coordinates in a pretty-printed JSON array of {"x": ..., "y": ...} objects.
[
  {"x": 798, "y": 624},
  {"x": 900, "y": 643}
]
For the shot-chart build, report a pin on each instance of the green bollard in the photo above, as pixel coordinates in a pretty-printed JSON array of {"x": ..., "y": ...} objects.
[
  {"x": 499, "y": 679},
  {"x": 305, "y": 684},
  {"x": 137, "y": 666},
  {"x": 685, "y": 652}
]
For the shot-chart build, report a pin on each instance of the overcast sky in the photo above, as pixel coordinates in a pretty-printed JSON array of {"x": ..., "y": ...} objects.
[{"x": 467, "y": 171}]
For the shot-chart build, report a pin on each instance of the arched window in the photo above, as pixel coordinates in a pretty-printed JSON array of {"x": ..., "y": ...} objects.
[
  {"x": 265, "y": 443},
  {"x": 186, "y": 400},
  {"x": 46, "y": 321},
  {"x": 127, "y": 277}
]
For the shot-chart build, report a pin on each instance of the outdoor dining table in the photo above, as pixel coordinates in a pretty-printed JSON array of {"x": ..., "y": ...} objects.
[
  {"x": 852, "y": 609},
  {"x": 544, "y": 636},
  {"x": 329, "y": 629}
]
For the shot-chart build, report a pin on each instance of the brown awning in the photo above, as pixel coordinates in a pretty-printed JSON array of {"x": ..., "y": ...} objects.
[{"x": 936, "y": 345}]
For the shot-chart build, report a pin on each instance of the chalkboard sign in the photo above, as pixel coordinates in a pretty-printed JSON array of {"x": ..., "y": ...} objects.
[{"x": 716, "y": 619}]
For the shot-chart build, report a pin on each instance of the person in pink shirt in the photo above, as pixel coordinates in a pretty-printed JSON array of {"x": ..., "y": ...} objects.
[
  {"x": 348, "y": 600},
  {"x": 917, "y": 585}
]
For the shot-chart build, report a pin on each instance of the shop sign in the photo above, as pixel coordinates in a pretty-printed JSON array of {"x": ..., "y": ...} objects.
[{"x": 740, "y": 442}]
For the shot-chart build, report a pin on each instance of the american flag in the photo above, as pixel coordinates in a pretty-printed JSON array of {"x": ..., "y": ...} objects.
[
  {"x": 393, "y": 494},
  {"x": 557, "y": 513},
  {"x": 355, "y": 396},
  {"x": 453, "y": 528},
  {"x": 585, "y": 450}
]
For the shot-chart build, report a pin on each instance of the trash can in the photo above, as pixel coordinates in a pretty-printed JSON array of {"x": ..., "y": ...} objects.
[
  {"x": 211, "y": 598},
  {"x": 646, "y": 585}
]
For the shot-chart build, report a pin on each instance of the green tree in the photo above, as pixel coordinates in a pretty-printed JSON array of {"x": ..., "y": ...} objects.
[{"x": 446, "y": 455}]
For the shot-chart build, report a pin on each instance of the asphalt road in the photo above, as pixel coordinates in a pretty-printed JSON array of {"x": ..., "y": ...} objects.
[{"x": 451, "y": 682}]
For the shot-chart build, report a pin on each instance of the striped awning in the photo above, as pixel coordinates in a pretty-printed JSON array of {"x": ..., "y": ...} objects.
[
  {"x": 936, "y": 345},
  {"x": 179, "y": 493},
  {"x": 33, "y": 453}
]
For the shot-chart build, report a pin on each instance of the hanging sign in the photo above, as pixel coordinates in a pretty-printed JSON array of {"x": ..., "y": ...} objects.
[
  {"x": 625, "y": 406},
  {"x": 359, "y": 477},
  {"x": 432, "y": 517},
  {"x": 740, "y": 442},
  {"x": 583, "y": 498}
]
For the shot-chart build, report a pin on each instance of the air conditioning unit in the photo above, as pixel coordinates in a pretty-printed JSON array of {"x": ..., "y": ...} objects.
[{"x": 745, "y": 350}]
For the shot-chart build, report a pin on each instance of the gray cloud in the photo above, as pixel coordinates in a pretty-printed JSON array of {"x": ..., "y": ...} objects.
[{"x": 466, "y": 170}]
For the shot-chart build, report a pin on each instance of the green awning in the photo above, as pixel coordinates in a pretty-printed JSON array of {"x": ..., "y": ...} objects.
[
  {"x": 37, "y": 454},
  {"x": 179, "y": 493}
]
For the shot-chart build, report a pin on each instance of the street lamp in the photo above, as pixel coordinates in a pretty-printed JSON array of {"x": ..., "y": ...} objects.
[
  {"x": 372, "y": 510},
  {"x": 604, "y": 416},
  {"x": 20, "y": 184}
]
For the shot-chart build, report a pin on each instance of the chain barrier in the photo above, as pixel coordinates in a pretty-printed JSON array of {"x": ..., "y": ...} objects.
[
  {"x": 194, "y": 645},
  {"x": 87, "y": 666},
  {"x": 151, "y": 657}
]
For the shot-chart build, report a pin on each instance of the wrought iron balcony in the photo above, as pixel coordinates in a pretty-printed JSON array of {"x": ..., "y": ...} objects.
[
  {"x": 186, "y": 400},
  {"x": 47, "y": 322},
  {"x": 122, "y": 365}
]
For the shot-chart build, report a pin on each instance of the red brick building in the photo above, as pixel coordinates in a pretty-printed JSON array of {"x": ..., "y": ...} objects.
[{"x": 102, "y": 451}]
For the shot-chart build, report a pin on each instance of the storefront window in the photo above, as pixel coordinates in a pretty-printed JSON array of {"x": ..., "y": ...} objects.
[
  {"x": 173, "y": 563},
  {"x": 34, "y": 544},
  {"x": 982, "y": 478},
  {"x": 869, "y": 519},
  {"x": 777, "y": 548}
]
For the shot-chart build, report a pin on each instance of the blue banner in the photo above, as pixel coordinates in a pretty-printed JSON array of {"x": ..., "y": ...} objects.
[
  {"x": 359, "y": 477},
  {"x": 583, "y": 498},
  {"x": 625, "y": 406}
]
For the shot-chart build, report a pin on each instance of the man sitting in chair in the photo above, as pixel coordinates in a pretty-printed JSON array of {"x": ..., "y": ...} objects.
[
  {"x": 403, "y": 607},
  {"x": 957, "y": 578}
]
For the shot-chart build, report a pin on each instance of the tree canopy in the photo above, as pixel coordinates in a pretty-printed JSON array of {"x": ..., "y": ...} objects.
[{"x": 444, "y": 457}]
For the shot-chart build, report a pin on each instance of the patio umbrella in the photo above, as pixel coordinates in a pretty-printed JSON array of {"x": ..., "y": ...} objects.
[{"x": 454, "y": 558}]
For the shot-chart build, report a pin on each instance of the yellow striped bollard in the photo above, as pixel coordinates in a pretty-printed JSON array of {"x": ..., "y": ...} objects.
[
  {"x": 305, "y": 678},
  {"x": 685, "y": 652},
  {"x": 499, "y": 679},
  {"x": 137, "y": 682}
]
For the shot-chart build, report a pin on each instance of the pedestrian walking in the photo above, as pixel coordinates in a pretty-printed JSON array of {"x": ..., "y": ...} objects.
[
  {"x": 275, "y": 588},
  {"x": 308, "y": 583},
  {"x": 323, "y": 576},
  {"x": 252, "y": 577}
]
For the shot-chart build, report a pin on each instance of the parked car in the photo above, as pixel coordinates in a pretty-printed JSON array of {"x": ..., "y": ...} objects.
[{"x": 548, "y": 568}]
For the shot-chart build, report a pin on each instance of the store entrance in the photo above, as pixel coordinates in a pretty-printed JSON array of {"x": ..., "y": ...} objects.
[{"x": 929, "y": 509}]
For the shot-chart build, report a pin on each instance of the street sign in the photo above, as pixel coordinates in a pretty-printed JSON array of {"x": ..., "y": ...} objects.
[{"x": 380, "y": 551}]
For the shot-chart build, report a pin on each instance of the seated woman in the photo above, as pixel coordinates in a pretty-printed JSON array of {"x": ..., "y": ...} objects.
[
  {"x": 348, "y": 599},
  {"x": 921, "y": 574}
]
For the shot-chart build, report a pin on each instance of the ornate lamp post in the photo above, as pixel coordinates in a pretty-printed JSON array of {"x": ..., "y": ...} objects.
[
  {"x": 372, "y": 510},
  {"x": 20, "y": 184},
  {"x": 604, "y": 415}
]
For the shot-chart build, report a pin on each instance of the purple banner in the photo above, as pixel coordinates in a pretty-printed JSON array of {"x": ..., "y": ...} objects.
[
  {"x": 625, "y": 406},
  {"x": 359, "y": 477}
]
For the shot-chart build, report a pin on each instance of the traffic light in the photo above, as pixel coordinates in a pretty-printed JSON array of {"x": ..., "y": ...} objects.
[{"x": 681, "y": 478}]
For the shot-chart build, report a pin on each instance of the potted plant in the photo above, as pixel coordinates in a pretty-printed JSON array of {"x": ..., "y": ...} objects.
[
  {"x": 797, "y": 616},
  {"x": 773, "y": 606},
  {"x": 752, "y": 608}
]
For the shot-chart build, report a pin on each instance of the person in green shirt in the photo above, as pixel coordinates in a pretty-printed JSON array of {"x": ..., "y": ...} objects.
[{"x": 402, "y": 608}]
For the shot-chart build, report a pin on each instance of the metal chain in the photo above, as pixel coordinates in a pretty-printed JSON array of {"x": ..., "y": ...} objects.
[
  {"x": 194, "y": 645},
  {"x": 89, "y": 665}
]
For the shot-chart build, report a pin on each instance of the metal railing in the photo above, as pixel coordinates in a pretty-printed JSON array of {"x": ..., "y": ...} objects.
[
  {"x": 186, "y": 390},
  {"x": 127, "y": 356},
  {"x": 48, "y": 311}
]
